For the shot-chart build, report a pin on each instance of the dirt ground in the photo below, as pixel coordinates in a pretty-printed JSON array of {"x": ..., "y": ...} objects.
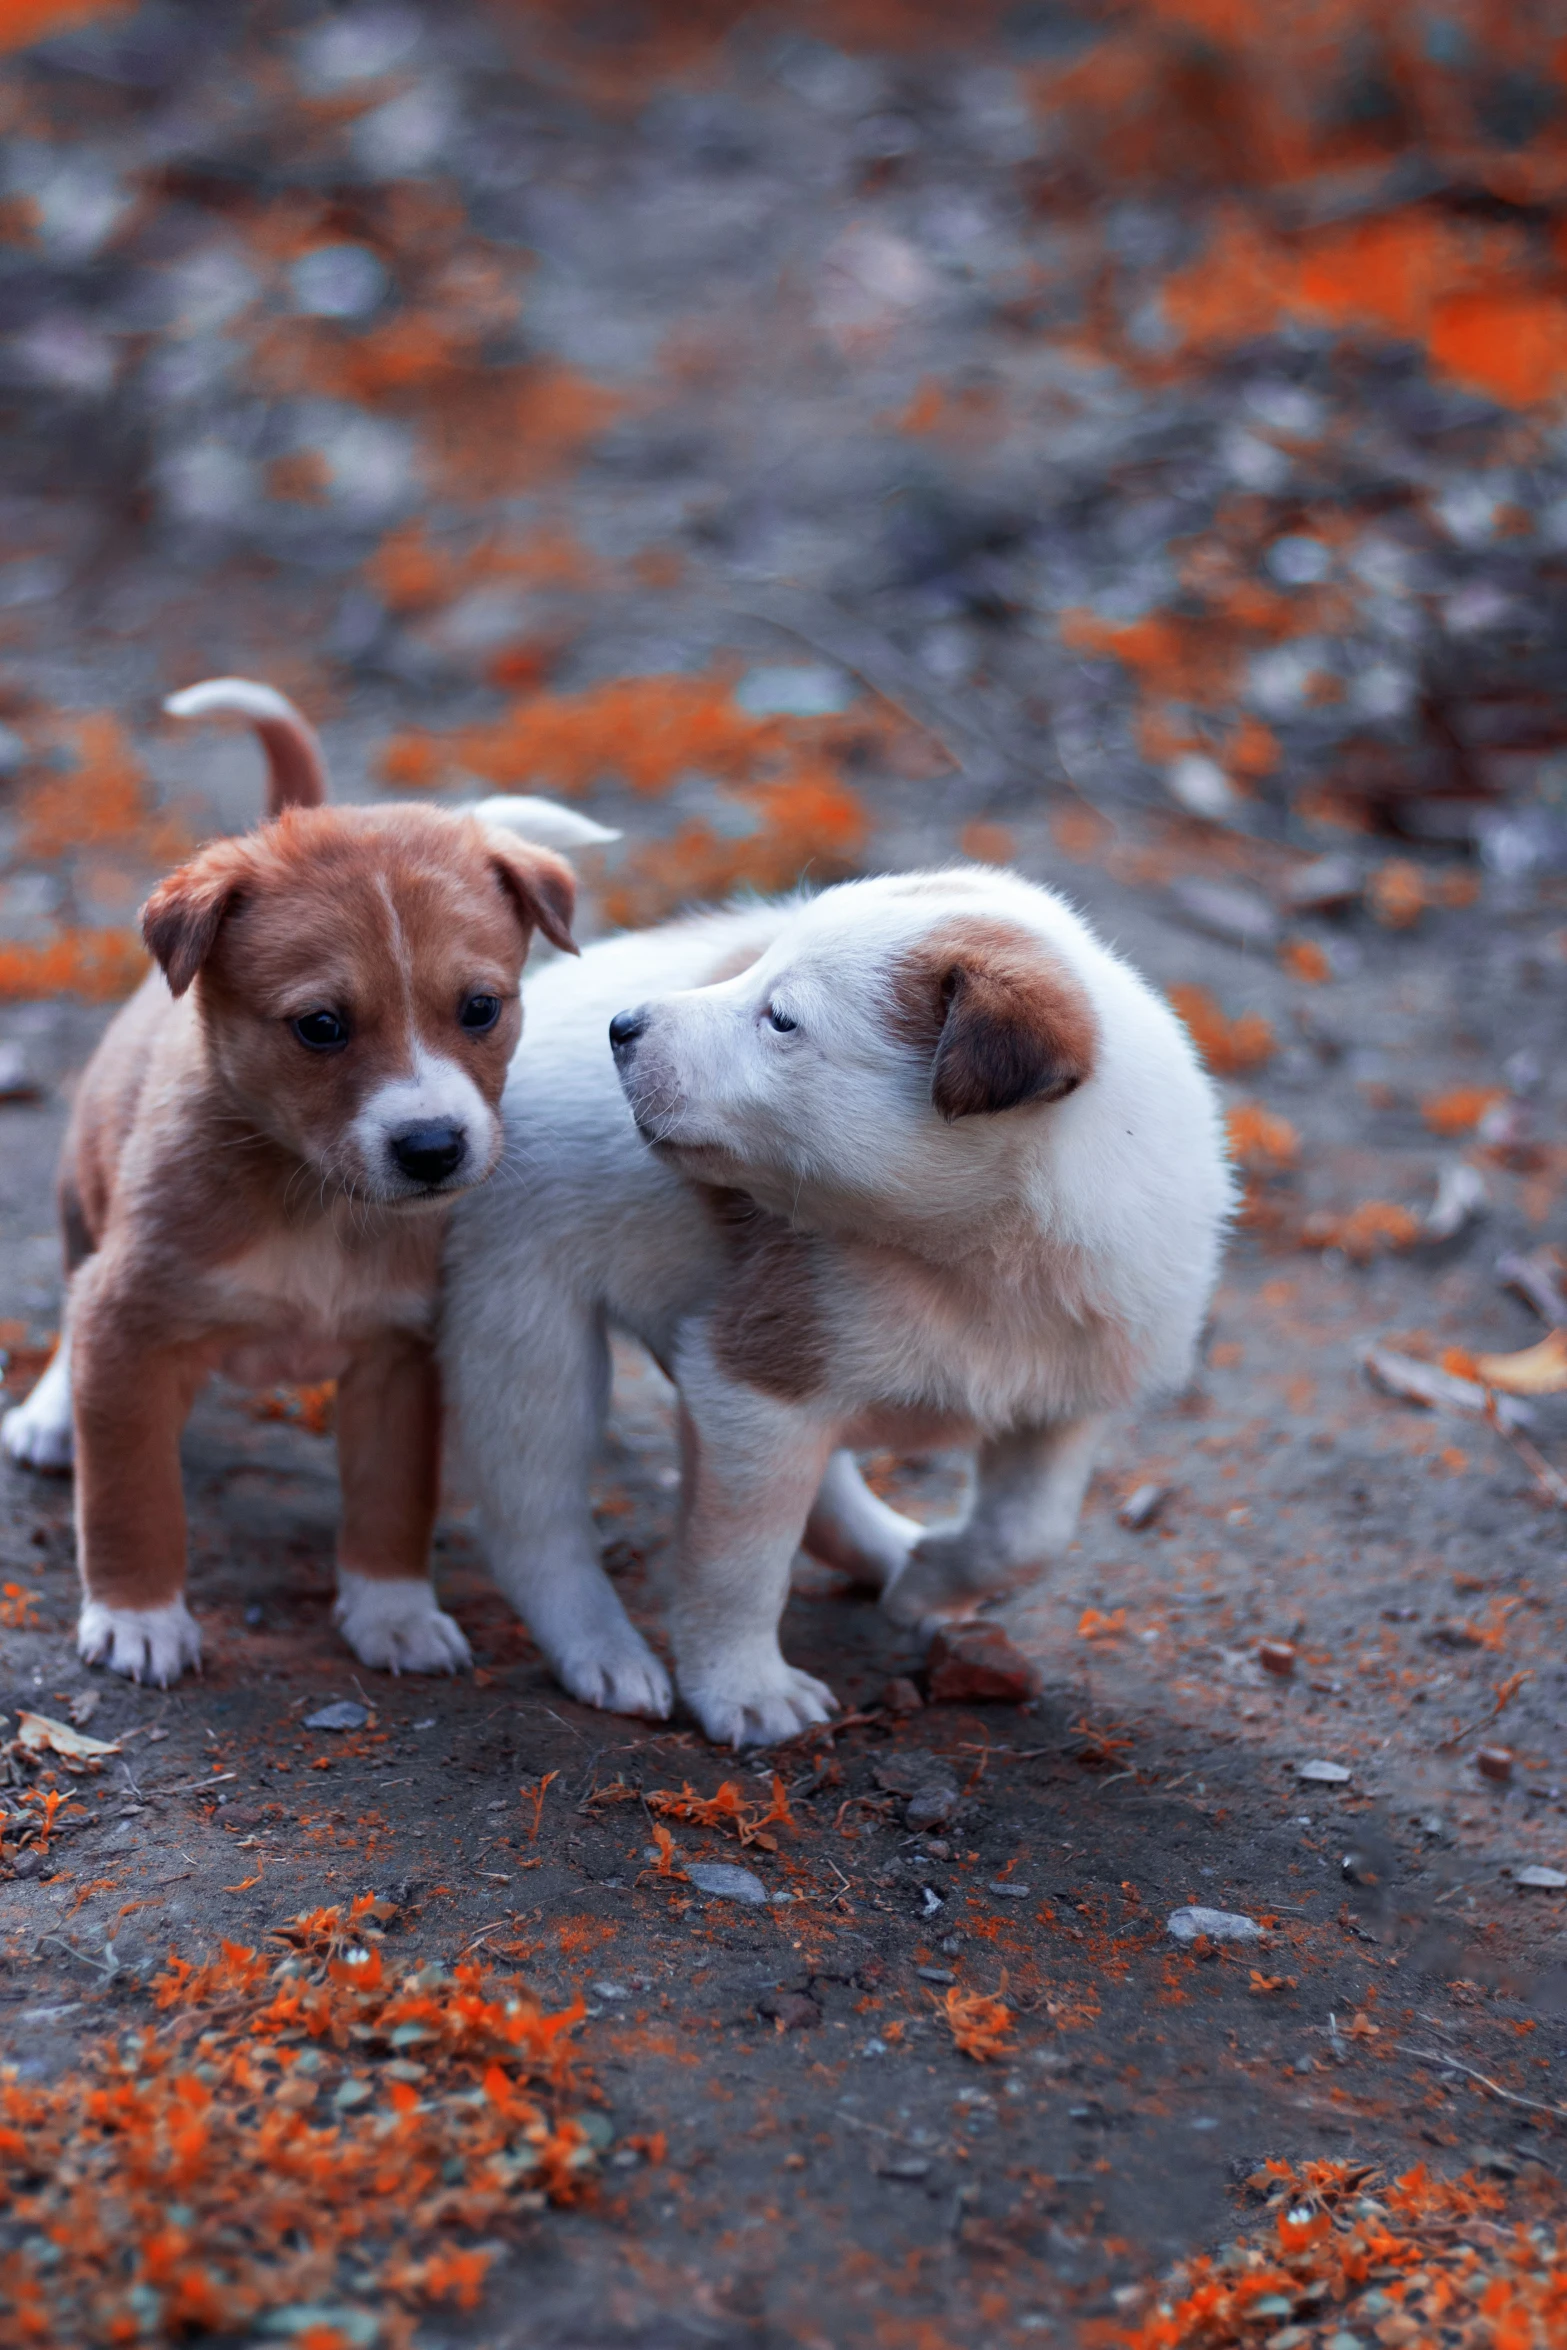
[{"x": 661, "y": 319}]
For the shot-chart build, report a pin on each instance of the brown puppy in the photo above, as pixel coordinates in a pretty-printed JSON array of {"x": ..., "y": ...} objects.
[{"x": 257, "y": 1174}]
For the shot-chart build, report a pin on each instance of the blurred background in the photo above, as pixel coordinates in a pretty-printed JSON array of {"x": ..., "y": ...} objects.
[{"x": 813, "y": 436}]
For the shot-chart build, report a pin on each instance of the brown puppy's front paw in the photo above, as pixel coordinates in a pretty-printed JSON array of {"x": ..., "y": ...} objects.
[
  {"x": 395, "y": 1626},
  {"x": 144, "y": 1643}
]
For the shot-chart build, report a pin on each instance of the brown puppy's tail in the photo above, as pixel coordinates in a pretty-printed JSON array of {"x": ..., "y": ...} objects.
[{"x": 296, "y": 769}]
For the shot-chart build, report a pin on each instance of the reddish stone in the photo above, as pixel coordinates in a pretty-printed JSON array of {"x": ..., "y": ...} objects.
[
  {"x": 791, "y": 2011},
  {"x": 976, "y": 1664},
  {"x": 901, "y": 1697}
]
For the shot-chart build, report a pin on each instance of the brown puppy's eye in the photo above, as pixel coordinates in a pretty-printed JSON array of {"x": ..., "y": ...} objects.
[
  {"x": 479, "y": 1012},
  {"x": 323, "y": 1032}
]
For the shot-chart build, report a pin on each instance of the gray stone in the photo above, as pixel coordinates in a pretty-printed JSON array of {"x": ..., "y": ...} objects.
[
  {"x": 1213, "y": 1925},
  {"x": 726, "y": 1882}
]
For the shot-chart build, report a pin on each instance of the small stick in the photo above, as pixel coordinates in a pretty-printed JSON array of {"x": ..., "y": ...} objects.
[
  {"x": 1508, "y": 2097},
  {"x": 1505, "y": 1695},
  {"x": 1550, "y": 1481}
]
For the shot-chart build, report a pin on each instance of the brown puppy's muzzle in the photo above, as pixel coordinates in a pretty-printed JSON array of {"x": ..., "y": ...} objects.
[{"x": 429, "y": 1154}]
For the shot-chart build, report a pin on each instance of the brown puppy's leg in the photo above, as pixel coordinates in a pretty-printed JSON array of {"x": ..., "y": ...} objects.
[
  {"x": 389, "y": 1460},
  {"x": 132, "y": 1397}
]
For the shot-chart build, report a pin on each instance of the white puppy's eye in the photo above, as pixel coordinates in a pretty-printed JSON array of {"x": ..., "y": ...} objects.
[{"x": 781, "y": 1020}]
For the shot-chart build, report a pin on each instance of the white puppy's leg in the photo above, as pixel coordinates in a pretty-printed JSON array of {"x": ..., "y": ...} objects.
[
  {"x": 39, "y": 1432},
  {"x": 752, "y": 1467},
  {"x": 1027, "y": 1498},
  {"x": 529, "y": 1417},
  {"x": 852, "y": 1529}
]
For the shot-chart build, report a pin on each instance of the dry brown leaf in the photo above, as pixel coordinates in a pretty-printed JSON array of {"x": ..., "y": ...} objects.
[
  {"x": 1536, "y": 1370},
  {"x": 37, "y": 1734}
]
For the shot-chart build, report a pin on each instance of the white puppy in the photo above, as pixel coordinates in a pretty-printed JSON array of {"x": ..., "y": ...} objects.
[{"x": 916, "y": 1162}]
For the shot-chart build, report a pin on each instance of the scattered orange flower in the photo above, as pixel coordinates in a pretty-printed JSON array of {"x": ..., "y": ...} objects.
[
  {"x": 1460, "y": 1110},
  {"x": 1228, "y": 1046},
  {"x": 980, "y": 2023}
]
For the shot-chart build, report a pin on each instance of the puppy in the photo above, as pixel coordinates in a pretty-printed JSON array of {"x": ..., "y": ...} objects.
[
  {"x": 917, "y": 1162},
  {"x": 259, "y": 1166}
]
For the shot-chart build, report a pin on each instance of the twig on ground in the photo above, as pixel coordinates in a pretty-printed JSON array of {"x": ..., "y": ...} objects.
[
  {"x": 1550, "y": 1481},
  {"x": 1504, "y": 1697},
  {"x": 1508, "y": 2096}
]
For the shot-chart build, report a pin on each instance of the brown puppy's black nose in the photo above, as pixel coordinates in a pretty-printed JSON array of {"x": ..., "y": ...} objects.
[
  {"x": 428, "y": 1154},
  {"x": 625, "y": 1028}
]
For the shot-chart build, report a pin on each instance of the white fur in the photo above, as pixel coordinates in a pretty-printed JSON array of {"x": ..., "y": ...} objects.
[
  {"x": 245, "y": 696},
  {"x": 144, "y": 1643},
  {"x": 436, "y": 1092},
  {"x": 396, "y": 1626},
  {"x": 39, "y": 1431},
  {"x": 545, "y": 822},
  {"x": 1006, "y": 1279}
]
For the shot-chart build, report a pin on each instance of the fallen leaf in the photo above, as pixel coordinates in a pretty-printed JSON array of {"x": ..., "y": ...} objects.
[
  {"x": 37, "y": 1734},
  {"x": 1536, "y": 1370}
]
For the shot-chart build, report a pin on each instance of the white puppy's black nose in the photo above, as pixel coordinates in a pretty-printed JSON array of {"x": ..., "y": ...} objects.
[
  {"x": 428, "y": 1154},
  {"x": 624, "y": 1030}
]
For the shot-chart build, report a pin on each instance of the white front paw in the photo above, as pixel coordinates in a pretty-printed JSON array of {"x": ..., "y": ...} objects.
[
  {"x": 948, "y": 1576},
  {"x": 38, "y": 1433},
  {"x": 396, "y": 1626},
  {"x": 756, "y": 1701},
  {"x": 619, "y": 1673},
  {"x": 144, "y": 1643}
]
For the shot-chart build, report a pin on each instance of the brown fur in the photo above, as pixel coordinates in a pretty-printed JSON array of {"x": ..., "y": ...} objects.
[
  {"x": 767, "y": 1328},
  {"x": 1002, "y": 1019},
  {"x": 202, "y": 1229}
]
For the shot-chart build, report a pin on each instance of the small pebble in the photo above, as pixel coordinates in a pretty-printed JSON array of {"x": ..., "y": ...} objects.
[
  {"x": 1011, "y": 1891},
  {"x": 1216, "y": 1925},
  {"x": 1276, "y": 1656},
  {"x": 1542, "y": 1880},
  {"x": 342, "y": 1714},
  {"x": 1495, "y": 1762},
  {"x": 1140, "y": 1509},
  {"x": 901, "y": 1697},
  {"x": 726, "y": 1882},
  {"x": 1323, "y": 1774}
]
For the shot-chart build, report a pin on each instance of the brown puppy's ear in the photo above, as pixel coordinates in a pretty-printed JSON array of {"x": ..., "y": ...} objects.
[
  {"x": 181, "y": 920},
  {"x": 541, "y": 885},
  {"x": 1012, "y": 1024}
]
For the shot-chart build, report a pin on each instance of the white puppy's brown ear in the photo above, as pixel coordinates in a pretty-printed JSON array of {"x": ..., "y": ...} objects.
[
  {"x": 1006, "y": 1022},
  {"x": 541, "y": 885},
  {"x": 181, "y": 920}
]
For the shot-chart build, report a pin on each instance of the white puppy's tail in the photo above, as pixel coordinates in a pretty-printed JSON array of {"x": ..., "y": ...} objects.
[
  {"x": 296, "y": 765},
  {"x": 544, "y": 822}
]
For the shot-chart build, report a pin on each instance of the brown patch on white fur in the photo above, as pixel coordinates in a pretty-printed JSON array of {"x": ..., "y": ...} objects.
[
  {"x": 217, "y": 1204},
  {"x": 767, "y": 1328},
  {"x": 1003, "y": 1020}
]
